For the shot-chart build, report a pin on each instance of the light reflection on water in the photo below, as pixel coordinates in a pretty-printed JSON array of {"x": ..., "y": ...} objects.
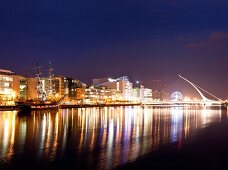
[{"x": 99, "y": 138}]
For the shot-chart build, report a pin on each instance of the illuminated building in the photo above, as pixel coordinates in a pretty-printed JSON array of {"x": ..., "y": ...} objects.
[
  {"x": 121, "y": 84},
  {"x": 20, "y": 87},
  {"x": 12, "y": 86},
  {"x": 142, "y": 94},
  {"x": 59, "y": 85},
  {"x": 72, "y": 85},
  {"x": 80, "y": 93},
  {"x": 15, "y": 86},
  {"x": 94, "y": 94},
  {"x": 147, "y": 95},
  {"x": 98, "y": 94},
  {"x": 69, "y": 88},
  {"x": 6, "y": 86},
  {"x": 26, "y": 88},
  {"x": 32, "y": 88},
  {"x": 138, "y": 93}
]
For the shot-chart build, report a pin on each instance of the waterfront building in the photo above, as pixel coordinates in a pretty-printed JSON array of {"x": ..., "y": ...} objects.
[
  {"x": 100, "y": 94},
  {"x": 112, "y": 96},
  {"x": 16, "y": 87},
  {"x": 80, "y": 93},
  {"x": 20, "y": 87},
  {"x": 32, "y": 88},
  {"x": 62, "y": 87},
  {"x": 68, "y": 88},
  {"x": 138, "y": 93},
  {"x": 121, "y": 85},
  {"x": 142, "y": 94},
  {"x": 94, "y": 94},
  {"x": 12, "y": 87},
  {"x": 59, "y": 85},
  {"x": 7, "y": 93},
  {"x": 26, "y": 88},
  {"x": 147, "y": 95},
  {"x": 71, "y": 87}
]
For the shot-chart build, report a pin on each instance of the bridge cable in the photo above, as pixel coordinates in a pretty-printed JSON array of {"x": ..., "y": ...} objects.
[
  {"x": 208, "y": 92},
  {"x": 195, "y": 86}
]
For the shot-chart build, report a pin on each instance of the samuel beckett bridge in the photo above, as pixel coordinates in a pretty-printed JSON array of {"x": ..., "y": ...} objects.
[{"x": 177, "y": 98}]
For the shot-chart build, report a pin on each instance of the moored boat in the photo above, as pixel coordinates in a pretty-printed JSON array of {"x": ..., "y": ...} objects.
[{"x": 24, "y": 108}]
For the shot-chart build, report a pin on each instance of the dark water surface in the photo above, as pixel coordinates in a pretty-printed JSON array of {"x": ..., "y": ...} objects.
[{"x": 94, "y": 138}]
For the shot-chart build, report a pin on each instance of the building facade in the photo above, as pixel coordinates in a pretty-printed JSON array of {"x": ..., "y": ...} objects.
[
  {"x": 142, "y": 94},
  {"x": 32, "y": 88},
  {"x": 20, "y": 87},
  {"x": 100, "y": 95},
  {"x": 7, "y": 93},
  {"x": 147, "y": 95},
  {"x": 122, "y": 85}
]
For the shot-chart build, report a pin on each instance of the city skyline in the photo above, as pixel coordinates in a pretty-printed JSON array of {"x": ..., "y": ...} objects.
[
  {"x": 159, "y": 88},
  {"x": 146, "y": 41}
]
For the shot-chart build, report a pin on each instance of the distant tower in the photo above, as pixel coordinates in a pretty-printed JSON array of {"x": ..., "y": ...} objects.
[{"x": 158, "y": 84}]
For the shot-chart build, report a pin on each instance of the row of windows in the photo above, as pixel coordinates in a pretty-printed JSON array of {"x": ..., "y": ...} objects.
[
  {"x": 5, "y": 85},
  {"x": 6, "y": 79}
]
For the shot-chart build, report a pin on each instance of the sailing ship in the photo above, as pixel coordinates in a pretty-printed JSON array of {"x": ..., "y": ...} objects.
[{"x": 45, "y": 93}]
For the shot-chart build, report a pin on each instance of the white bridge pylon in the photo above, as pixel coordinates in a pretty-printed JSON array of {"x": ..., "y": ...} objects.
[{"x": 204, "y": 99}]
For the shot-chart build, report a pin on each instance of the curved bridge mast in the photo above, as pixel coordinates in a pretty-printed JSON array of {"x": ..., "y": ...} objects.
[{"x": 201, "y": 94}]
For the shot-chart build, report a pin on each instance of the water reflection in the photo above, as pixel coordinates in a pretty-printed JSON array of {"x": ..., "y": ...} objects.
[{"x": 100, "y": 138}]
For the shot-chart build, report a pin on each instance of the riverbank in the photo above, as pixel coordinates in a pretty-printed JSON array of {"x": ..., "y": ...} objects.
[
  {"x": 205, "y": 149},
  {"x": 50, "y": 106},
  {"x": 99, "y": 105},
  {"x": 67, "y": 106}
]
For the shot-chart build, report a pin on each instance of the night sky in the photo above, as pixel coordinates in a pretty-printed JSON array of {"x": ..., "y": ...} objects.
[{"x": 143, "y": 39}]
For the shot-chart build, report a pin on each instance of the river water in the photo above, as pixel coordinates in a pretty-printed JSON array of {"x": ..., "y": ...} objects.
[{"x": 94, "y": 138}]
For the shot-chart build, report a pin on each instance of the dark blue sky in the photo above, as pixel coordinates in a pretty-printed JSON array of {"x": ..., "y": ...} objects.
[{"x": 144, "y": 39}]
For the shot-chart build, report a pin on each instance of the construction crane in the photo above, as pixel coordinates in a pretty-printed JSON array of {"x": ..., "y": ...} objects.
[{"x": 158, "y": 83}]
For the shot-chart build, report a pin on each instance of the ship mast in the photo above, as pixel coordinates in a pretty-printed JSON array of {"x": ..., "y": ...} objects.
[
  {"x": 50, "y": 79},
  {"x": 26, "y": 75},
  {"x": 40, "y": 91}
]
